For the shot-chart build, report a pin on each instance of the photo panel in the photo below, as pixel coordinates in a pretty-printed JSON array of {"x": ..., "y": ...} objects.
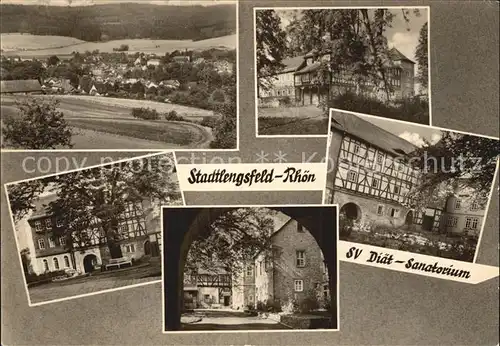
[
  {"x": 120, "y": 77},
  {"x": 416, "y": 189},
  {"x": 250, "y": 268},
  {"x": 92, "y": 230},
  {"x": 370, "y": 60}
]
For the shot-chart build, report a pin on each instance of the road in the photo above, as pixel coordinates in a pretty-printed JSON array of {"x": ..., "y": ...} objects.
[
  {"x": 230, "y": 320},
  {"x": 107, "y": 123}
]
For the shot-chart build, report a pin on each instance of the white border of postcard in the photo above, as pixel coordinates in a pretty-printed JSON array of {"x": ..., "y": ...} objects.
[
  {"x": 237, "y": 148},
  {"x": 194, "y": 206},
  {"x": 494, "y": 182},
  {"x": 13, "y": 225},
  {"x": 256, "y": 98}
]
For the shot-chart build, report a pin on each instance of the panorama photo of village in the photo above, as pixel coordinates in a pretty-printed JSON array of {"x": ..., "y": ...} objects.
[
  {"x": 365, "y": 60},
  {"x": 410, "y": 187},
  {"x": 92, "y": 230},
  {"x": 250, "y": 268},
  {"x": 128, "y": 75}
]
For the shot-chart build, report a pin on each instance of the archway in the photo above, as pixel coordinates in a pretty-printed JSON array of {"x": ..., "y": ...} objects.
[
  {"x": 147, "y": 248},
  {"x": 409, "y": 218},
  {"x": 89, "y": 263},
  {"x": 351, "y": 211},
  {"x": 182, "y": 225}
]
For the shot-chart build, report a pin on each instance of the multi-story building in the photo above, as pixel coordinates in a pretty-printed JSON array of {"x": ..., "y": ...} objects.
[
  {"x": 52, "y": 248},
  {"x": 293, "y": 269},
  {"x": 465, "y": 211},
  {"x": 243, "y": 287},
  {"x": 371, "y": 182},
  {"x": 207, "y": 288},
  {"x": 312, "y": 84}
]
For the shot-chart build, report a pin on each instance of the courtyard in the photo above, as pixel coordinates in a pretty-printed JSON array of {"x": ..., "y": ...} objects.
[{"x": 96, "y": 282}]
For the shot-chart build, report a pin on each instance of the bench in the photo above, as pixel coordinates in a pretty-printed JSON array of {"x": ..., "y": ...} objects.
[{"x": 118, "y": 263}]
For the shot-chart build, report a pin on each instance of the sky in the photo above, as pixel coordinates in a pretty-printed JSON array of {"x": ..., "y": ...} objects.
[
  {"x": 96, "y": 2},
  {"x": 413, "y": 133}
]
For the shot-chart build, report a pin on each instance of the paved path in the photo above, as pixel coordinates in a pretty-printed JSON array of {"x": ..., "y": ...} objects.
[
  {"x": 93, "y": 284},
  {"x": 230, "y": 320}
]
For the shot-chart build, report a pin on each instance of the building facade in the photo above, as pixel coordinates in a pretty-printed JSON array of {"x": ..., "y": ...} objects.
[
  {"x": 293, "y": 270},
  {"x": 207, "y": 289},
  {"x": 371, "y": 182},
  {"x": 53, "y": 249},
  {"x": 312, "y": 84}
]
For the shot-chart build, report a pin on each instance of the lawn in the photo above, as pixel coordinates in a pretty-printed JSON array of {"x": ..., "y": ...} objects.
[
  {"x": 21, "y": 42},
  {"x": 307, "y": 120},
  {"x": 179, "y": 133}
]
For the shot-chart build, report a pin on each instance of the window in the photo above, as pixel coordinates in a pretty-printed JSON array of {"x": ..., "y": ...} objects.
[
  {"x": 356, "y": 148},
  {"x": 130, "y": 248},
  {"x": 48, "y": 223},
  {"x": 298, "y": 285},
  {"x": 457, "y": 204},
  {"x": 56, "y": 263},
  {"x": 375, "y": 183},
  {"x": 52, "y": 242},
  {"x": 38, "y": 226},
  {"x": 468, "y": 222},
  {"x": 394, "y": 212},
  {"x": 380, "y": 158},
  {"x": 300, "y": 228},
  {"x": 474, "y": 206},
  {"x": 249, "y": 271},
  {"x": 62, "y": 240},
  {"x": 380, "y": 209},
  {"x": 250, "y": 298},
  {"x": 452, "y": 221},
  {"x": 351, "y": 176},
  {"x": 66, "y": 261},
  {"x": 41, "y": 244},
  {"x": 59, "y": 222},
  {"x": 124, "y": 228},
  {"x": 300, "y": 258},
  {"x": 475, "y": 222},
  {"x": 397, "y": 189},
  {"x": 46, "y": 265}
]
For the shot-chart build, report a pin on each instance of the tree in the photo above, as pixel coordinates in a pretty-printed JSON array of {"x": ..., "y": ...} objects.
[
  {"x": 53, "y": 60},
  {"x": 455, "y": 160},
  {"x": 271, "y": 47},
  {"x": 22, "y": 197},
  {"x": 39, "y": 126},
  {"x": 225, "y": 130},
  {"x": 232, "y": 240},
  {"x": 421, "y": 55},
  {"x": 97, "y": 198}
]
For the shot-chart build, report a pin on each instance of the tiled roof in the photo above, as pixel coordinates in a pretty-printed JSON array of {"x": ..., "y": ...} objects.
[
  {"x": 396, "y": 55},
  {"x": 292, "y": 64},
  {"x": 20, "y": 86},
  {"x": 365, "y": 130},
  {"x": 310, "y": 68}
]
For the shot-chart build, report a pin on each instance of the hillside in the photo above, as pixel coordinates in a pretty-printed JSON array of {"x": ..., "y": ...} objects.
[{"x": 120, "y": 21}]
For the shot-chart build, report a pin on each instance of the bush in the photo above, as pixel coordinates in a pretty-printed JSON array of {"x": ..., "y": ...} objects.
[
  {"x": 32, "y": 278},
  {"x": 345, "y": 224},
  {"x": 122, "y": 48},
  {"x": 309, "y": 304},
  {"x": 273, "y": 305},
  {"x": 173, "y": 116},
  {"x": 209, "y": 122},
  {"x": 145, "y": 113},
  {"x": 414, "y": 109},
  {"x": 261, "y": 306},
  {"x": 285, "y": 101}
]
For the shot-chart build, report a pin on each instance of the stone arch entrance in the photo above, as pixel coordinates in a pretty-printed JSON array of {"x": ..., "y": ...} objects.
[
  {"x": 351, "y": 211},
  {"x": 89, "y": 261},
  {"x": 181, "y": 226},
  {"x": 147, "y": 248}
]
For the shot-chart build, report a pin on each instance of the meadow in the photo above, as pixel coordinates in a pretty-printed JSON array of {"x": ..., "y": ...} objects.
[{"x": 27, "y": 45}]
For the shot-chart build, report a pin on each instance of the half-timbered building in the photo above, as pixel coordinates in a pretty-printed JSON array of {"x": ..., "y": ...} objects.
[
  {"x": 52, "y": 248},
  {"x": 207, "y": 288}
]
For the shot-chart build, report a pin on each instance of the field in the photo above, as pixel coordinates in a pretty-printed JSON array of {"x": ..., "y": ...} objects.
[
  {"x": 107, "y": 123},
  {"x": 292, "y": 121},
  {"x": 27, "y": 45}
]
